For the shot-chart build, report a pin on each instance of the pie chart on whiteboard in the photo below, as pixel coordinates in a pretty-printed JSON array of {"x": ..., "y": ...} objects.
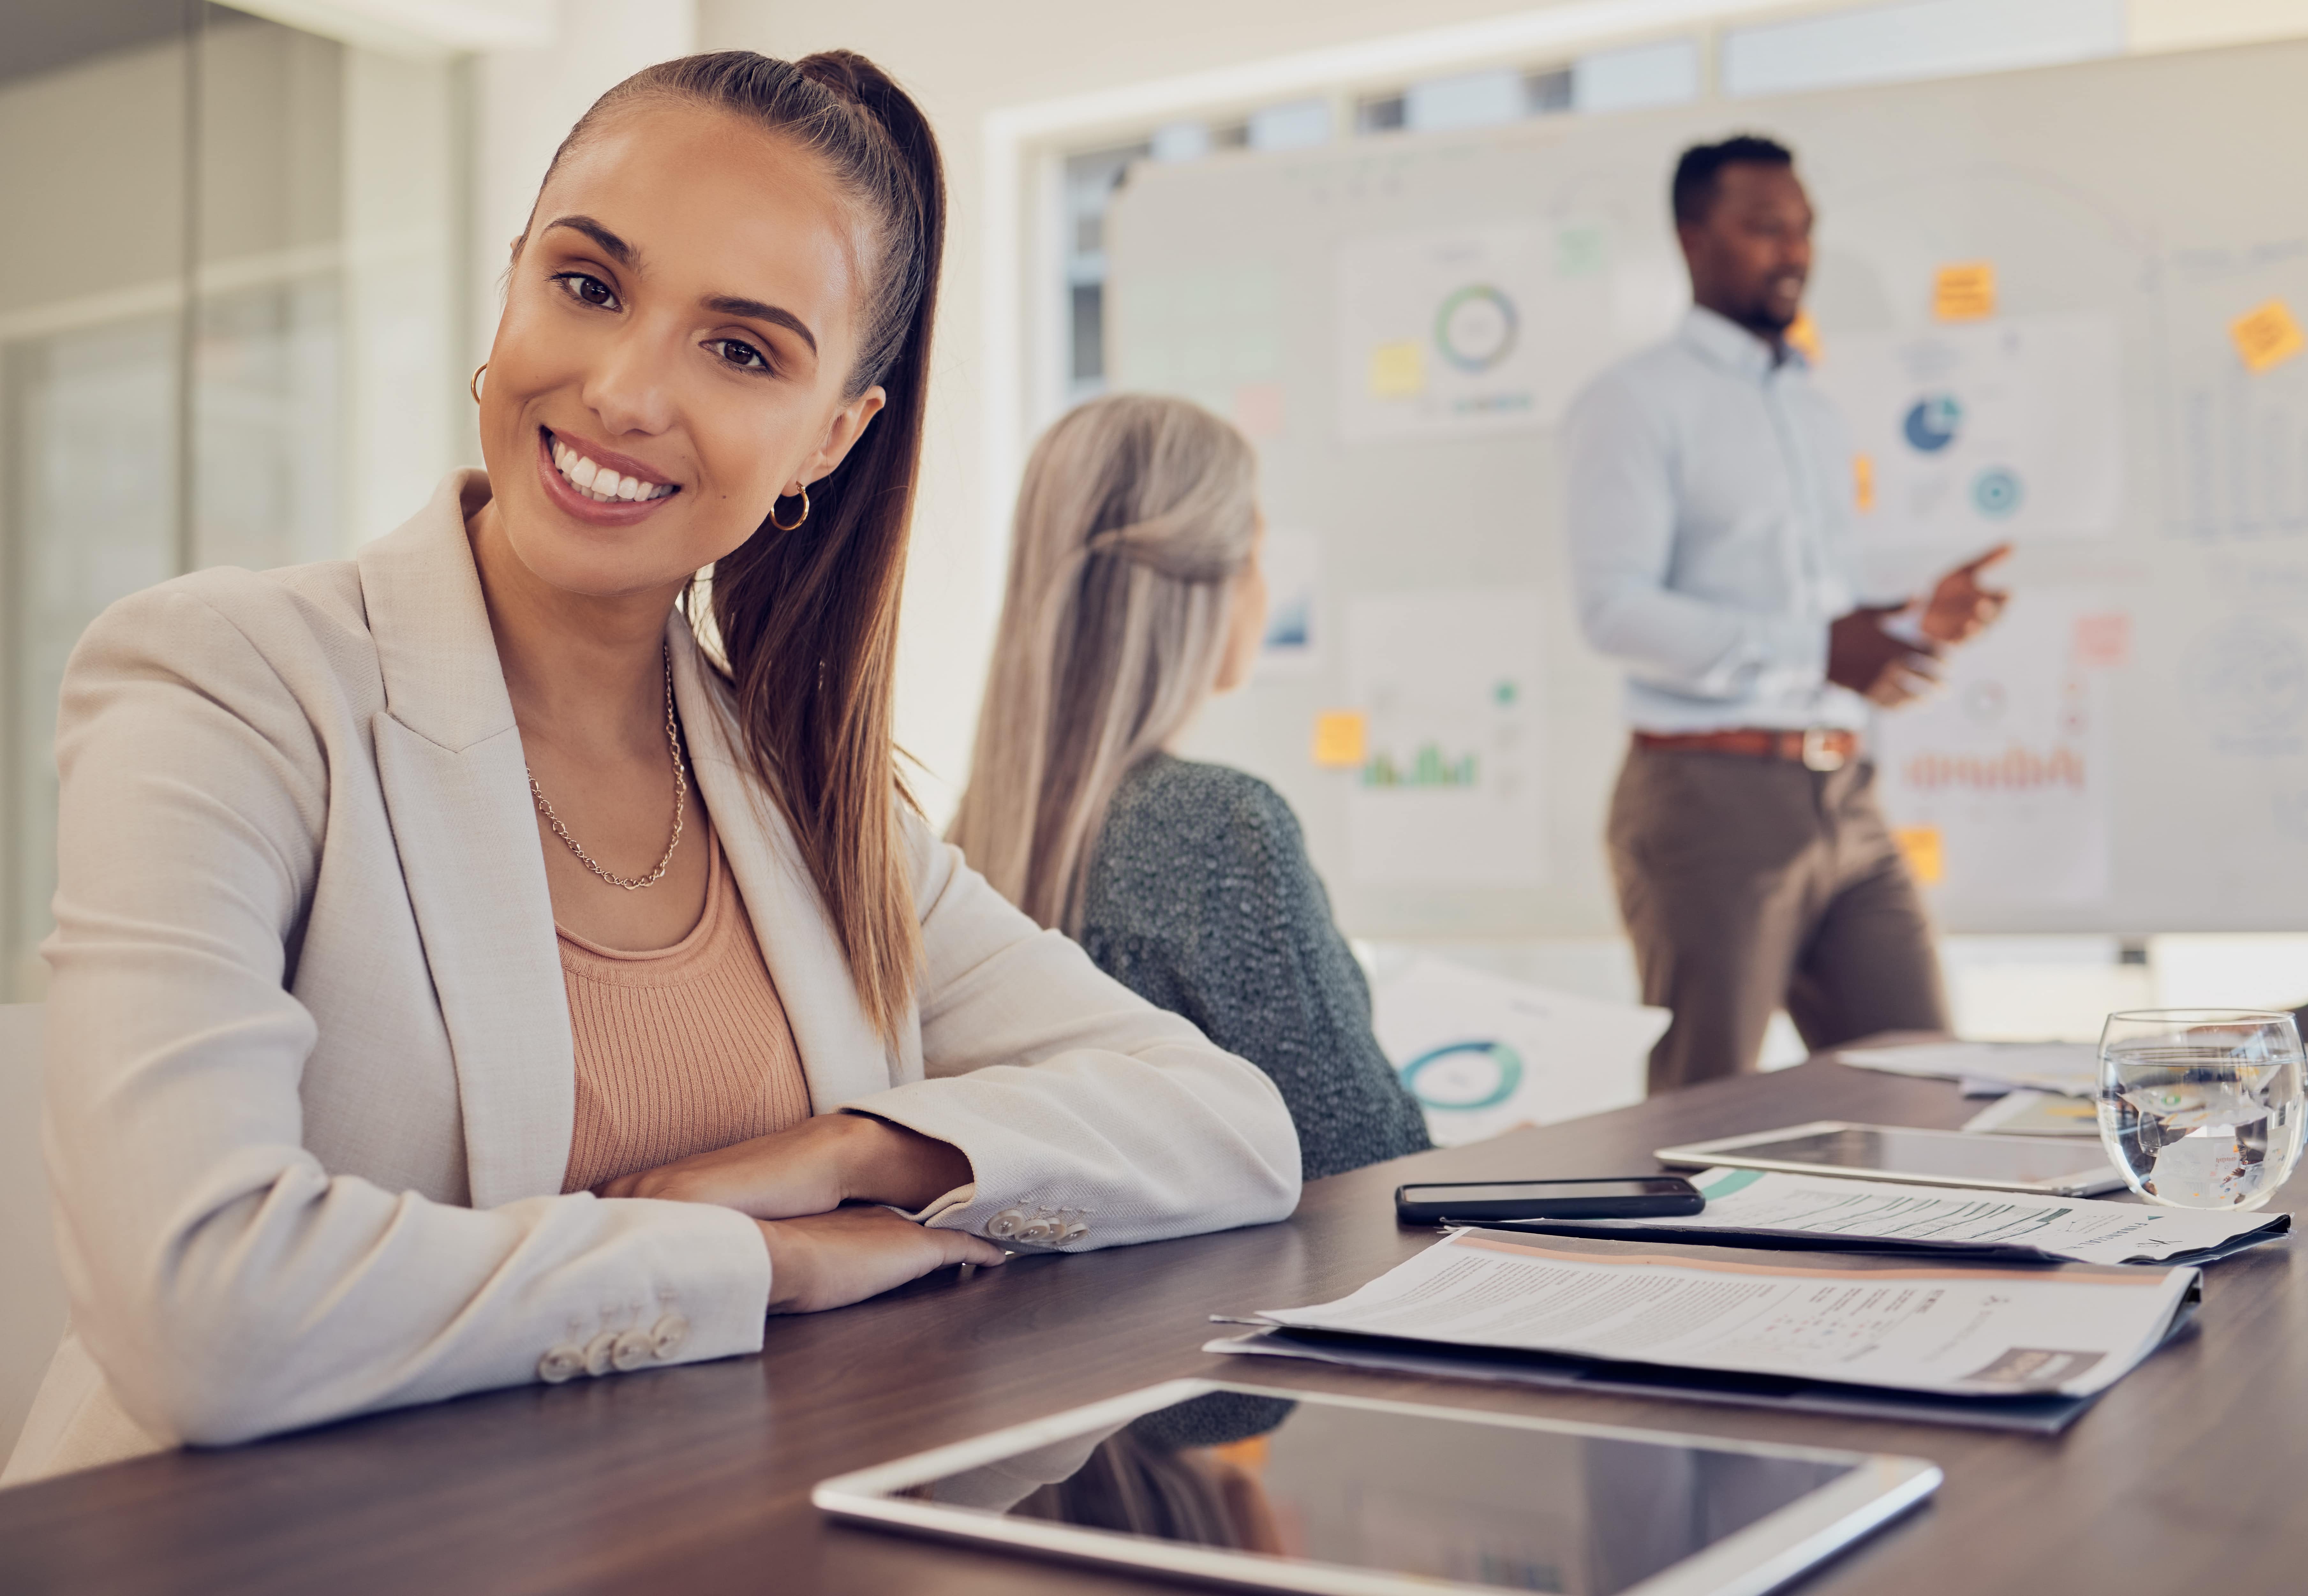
[{"x": 1932, "y": 423}]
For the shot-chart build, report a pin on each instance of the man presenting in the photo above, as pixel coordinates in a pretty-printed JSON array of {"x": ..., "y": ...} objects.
[{"x": 1711, "y": 490}]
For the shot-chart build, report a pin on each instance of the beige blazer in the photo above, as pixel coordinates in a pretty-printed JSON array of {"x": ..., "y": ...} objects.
[{"x": 309, "y": 1075}]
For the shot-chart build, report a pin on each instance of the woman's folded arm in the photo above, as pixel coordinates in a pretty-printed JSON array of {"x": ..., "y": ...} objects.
[{"x": 1087, "y": 1114}]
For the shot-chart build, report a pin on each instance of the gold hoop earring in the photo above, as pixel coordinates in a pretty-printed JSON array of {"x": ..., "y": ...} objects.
[
  {"x": 797, "y": 520},
  {"x": 473, "y": 385}
]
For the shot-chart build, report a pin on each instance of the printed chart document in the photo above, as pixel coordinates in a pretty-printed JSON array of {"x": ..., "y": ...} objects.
[
  {"x": 1871, "y": 1215},
  {"x": 2030, "y": 1113},
  {"x": 2072, "y": 1068},
  {"x": 1945, "y": 1328}
]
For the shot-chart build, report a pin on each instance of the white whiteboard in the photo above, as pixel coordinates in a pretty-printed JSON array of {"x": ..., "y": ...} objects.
[{"x": 2154, "y": 199}]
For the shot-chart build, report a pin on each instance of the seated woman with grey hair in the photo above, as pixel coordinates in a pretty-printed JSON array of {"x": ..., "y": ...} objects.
[{"x": 1134, "y": 595}]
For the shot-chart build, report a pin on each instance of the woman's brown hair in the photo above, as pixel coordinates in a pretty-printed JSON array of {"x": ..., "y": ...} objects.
[{"x": 806, "y": 621}]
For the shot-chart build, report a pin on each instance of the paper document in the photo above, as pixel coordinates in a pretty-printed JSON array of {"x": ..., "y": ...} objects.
[
  {"x": 1482, "y": 1054},
  {"x": 1795, "y": 1207},
  {"x": 2025, "y": 1113},
  {"x": 2029, "y": 1415},
  {"x": 2072, "y": 1068},
  {"x": 1950, "y": 1329}
]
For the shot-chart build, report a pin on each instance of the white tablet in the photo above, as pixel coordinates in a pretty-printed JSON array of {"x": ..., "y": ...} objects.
[
  {"x": 1288, "y": 1491},
  {"x": 2049, "y": 1166}
]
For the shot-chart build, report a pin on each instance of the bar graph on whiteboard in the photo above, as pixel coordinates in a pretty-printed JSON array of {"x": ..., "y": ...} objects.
[{"x": 1448, "y": 792}]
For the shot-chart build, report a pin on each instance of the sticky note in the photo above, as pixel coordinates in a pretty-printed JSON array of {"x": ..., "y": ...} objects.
[
  {"x": 1258, "y": 410},
  {"x": 1579, "y": 252},
  {"x": 1397, "y": 370},
  {"x": 2266, "y": 335},
  {"x": 2103, "y": 639},
  {"x": 1341, "y": 738},
  {"x": 1803, "y": 336},
  {"x": 1964, "y": 291},
  {"x": 1921, "y": 845},
  {"x": 1863, "y": 482}
]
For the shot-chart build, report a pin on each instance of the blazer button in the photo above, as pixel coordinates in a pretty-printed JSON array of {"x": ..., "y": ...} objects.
[
  {"x": 1074, "y": 1232},
  {"x": 632, "y": 1349},
  {"x": 1006, "y": 1224},
  {"x": 564, "y": 1362},
  {"x": 1040, "y": 1231},
  {"x": 667, "y": 1336},
  {"x": 600, "y": 1350}
]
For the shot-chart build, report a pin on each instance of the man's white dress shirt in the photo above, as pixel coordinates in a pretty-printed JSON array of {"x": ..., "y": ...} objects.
[{"x": 1709, "y": 497}]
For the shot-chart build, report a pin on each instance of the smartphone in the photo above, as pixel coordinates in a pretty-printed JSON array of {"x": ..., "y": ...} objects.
[{"x": 1478, "y": 1202}]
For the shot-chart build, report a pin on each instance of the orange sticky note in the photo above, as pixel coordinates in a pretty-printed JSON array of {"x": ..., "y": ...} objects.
[
  {"x": 1863, "y": 482},
  {"x": 2267, "y": 335},
  {"x": 1964, "y": 291},
  {"x": 1341, "y": 738},
  {"x": 1803, "y": 335},
  {"x": 1921, "y": 845}
]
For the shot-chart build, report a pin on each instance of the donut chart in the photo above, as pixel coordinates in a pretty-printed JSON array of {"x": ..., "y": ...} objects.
[
  {"x": 1475, "y": 327},
  {"x": 1464, "y": 1075},
  {"x": 1996, "y": 492}
]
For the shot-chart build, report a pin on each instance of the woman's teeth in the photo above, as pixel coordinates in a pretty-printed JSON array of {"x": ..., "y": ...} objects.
[{"x": 600, "y": 484}]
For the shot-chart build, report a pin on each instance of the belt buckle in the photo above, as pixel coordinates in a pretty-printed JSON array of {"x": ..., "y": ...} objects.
[{"x": 1816, "y": 754}]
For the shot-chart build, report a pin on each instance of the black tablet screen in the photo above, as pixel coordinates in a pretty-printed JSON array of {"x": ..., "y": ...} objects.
[{"x": 1487, "y": 1504}]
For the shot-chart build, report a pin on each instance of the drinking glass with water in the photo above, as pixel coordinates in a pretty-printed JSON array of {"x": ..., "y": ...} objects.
[{"x": 2202, "y": 1107}]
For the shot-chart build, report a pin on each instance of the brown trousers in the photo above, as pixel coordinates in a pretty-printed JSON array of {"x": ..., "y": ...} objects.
[{"x": 1748, "y": 884}]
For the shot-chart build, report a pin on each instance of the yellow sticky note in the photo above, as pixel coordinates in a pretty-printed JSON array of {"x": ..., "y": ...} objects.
[
  {"x": 1397, "y": 370},
  {"x": 1863, "y": 482},
  {"x": 1803, "y": 336},
  {"x": 2267, "y": 335},
  {"x": 1964, "y": 291},
  {"x": 1341, "y": 738},
  {"x": 1921, "y": 844}
]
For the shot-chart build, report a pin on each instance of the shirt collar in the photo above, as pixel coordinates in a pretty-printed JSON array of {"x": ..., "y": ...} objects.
[{"x": 1729, "y": 345}]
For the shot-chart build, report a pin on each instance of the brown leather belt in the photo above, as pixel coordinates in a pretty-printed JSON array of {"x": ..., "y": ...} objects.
[{"x": 1819, "y": 748}]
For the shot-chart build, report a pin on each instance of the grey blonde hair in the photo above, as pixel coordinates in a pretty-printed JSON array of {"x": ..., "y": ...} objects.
[{"x": 1136, "y": 514}]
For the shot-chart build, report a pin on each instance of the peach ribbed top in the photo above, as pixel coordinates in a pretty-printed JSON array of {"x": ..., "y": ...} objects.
[{"x": 680, "y": 1049}]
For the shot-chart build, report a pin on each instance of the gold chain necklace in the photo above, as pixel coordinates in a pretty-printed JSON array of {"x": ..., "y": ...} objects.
[{"x": 680, "y": 792}]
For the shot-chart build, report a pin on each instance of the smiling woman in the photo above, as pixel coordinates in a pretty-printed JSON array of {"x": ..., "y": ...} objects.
[{"x": 384, "y": 1064}]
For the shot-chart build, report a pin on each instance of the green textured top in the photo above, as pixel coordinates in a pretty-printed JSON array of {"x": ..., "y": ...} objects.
[{"x": 1201, "y": 899}]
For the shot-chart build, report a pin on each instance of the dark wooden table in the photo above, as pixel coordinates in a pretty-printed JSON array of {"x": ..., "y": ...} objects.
[{"x": 2192, "y": 1474}]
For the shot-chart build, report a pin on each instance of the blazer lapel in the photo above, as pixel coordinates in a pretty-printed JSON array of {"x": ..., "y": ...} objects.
[
  {"x": 449, "y": 757},
  {"x": 842, "y": 1054}
]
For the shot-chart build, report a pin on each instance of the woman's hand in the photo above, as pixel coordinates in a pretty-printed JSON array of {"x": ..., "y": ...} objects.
[
  {"x": 813, "y": 1168},
  {"x": 829, "y": 1260}
]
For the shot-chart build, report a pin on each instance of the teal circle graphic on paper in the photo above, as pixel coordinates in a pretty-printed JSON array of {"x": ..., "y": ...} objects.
[
  {"x": 1483, "y": 1074},
  {"x": 1932, "y": 423},
  {"x": 1475, "y": 327},
  {"x": 1996, "y": 491}
]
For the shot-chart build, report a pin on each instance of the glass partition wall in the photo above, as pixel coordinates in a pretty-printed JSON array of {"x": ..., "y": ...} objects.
[{"x": 229, "y": 325}]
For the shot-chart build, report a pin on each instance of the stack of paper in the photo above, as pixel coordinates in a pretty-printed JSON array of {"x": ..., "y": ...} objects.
[
  {"x": 2069, "y": 1067},
  {"x": 1809, "y": 1210},
  {"x": 1969, "y": 1335}
]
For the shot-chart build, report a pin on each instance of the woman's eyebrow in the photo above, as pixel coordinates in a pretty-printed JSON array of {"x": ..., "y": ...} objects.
[
  {"x": 729, "y": 305},
  {"x": 614, "y": 247}
]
